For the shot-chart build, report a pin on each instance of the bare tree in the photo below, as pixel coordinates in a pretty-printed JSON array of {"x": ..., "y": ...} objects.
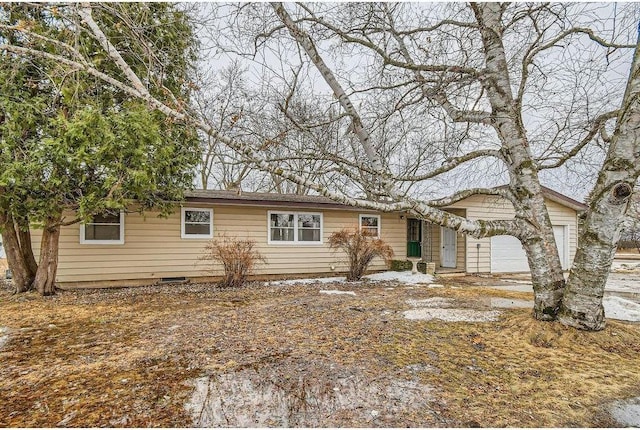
[
  {"x": 221, "y": 99},
  {"x": 269, "y": 117},
  {"x": 471, "y": 89}
]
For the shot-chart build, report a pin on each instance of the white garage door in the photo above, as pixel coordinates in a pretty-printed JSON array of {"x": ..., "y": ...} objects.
[{"x": 507, "y": 254}]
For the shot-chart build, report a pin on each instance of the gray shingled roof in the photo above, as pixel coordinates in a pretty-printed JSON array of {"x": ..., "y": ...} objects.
[{"x": 274, "y": 199}]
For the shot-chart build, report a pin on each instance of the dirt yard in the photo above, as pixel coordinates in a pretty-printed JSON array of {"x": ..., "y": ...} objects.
[{"x": 289, "y": 355}]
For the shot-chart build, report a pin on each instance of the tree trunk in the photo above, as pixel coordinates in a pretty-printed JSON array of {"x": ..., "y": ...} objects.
[
  {"x": 582, "y": 302},
  {"x": 548, "y": 282},
  {"x": 21, "y": 274},
  {"x": 540, "y": 246},
  {"x": 524, "y": 184},
  {"x": 609, "y": 202},
  {"x": 24, "y": 236},
  {"x": 48, "y": 265}
]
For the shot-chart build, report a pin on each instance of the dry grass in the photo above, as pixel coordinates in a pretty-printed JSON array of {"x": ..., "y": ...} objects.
[
  {"x": 523, "y": 373},
  {"x": 125, "y": 357}
]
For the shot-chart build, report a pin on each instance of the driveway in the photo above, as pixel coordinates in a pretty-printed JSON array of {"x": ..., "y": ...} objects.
[{"x": 622, "y": 292}]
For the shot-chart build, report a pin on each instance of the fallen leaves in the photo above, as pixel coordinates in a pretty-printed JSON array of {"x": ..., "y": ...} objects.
[{"x": 128, "y": 357}]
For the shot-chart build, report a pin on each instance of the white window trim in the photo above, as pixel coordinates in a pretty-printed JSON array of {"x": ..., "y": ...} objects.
[
  {"x": 84, "y": 241},
  {"x": 370, "y": 216},
  {"x": 184, "y": 235},
  {"x": 295, "y": 241}
]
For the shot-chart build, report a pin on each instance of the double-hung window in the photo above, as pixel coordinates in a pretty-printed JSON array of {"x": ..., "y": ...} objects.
[
  {"x": 103, "y": 229},
  {"x": 197, "y": 223},
  {"x": 295, "y": 227},
  {"x": 370, "y": 224}
]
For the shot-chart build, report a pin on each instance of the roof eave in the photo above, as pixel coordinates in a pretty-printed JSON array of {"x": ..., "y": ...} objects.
[
  {"x": 274, "y": 203},
  {"x": 564, "y": 200}
]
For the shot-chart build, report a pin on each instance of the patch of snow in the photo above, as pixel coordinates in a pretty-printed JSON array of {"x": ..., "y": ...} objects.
[
  {"x": 625, "y": 266},
  {"x": 621, "y": 309},
  {"x": 441, "y": 308},
  {"x": 623, "y": 283},
  {"x": 265, "y": 397},
  {"x": 626, "y": 412},
  {"x": 510, "y": 303},
  {"x": 432, "y": 302},
  {"x": 337, "y": 292},
  {"x": 405, "y": 277},
  {"x": 307, "y": 281},
  {"x": 451, "y": 315}
]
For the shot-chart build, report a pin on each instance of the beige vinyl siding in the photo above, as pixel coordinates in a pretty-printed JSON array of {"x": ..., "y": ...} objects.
[
  {"x": 492, "y": 208},
  {"x": 153, "y": 247}
]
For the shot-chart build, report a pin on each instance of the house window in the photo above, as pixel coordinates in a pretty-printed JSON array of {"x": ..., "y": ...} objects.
[
  {"x": 294, "y": 227},
  {"x": 370, "y": 224},
  {"x": 197, "y": 223},
  {"x": 103, "y": 229}
]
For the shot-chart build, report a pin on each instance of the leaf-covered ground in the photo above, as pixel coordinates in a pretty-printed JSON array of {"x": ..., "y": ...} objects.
[{"x": 129, "y": 357}]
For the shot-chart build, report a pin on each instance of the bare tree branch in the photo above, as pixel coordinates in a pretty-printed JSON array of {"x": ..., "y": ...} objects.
[
  {"x": 461, "y": 195},
  {"x": 597, "y": 126}
]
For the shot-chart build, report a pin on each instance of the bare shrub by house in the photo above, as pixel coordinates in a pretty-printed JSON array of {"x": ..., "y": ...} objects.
[
  {"x": 238, "y": 258},
  {"x": 361, "y": 247}
]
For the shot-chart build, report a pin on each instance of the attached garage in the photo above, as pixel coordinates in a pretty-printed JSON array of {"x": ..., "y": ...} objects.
[
  {"x": 507, "y": 253},
  {"x": 504, "y": 254}
]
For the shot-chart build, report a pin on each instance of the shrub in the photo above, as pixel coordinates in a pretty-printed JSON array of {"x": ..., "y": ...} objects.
[
  {"x": 400, "y": 265},
  {"x": 361, "y": 247},
  {"x": 238, "y": 258}
]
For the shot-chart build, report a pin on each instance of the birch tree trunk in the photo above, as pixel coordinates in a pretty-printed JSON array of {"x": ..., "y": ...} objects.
[
  {"x": 21, "y": 271},
  {"x": 548, "y": 281},
  {"x": 610, "y": 199},
  {"x": 531, "y": 211},
  {"x": 48, "y": 265}
]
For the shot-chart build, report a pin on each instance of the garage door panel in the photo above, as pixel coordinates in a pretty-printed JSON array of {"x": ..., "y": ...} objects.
[{"x": 507, "y": 255}]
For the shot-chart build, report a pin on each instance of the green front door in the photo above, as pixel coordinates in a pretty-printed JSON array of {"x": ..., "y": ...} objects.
[{"x": 414, "y": 238}]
